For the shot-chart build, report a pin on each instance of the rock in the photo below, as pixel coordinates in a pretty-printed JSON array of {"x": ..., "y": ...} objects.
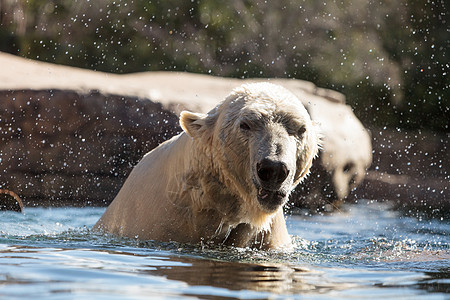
[
  {"x": 55, "y": 145},
  {"x": 72, "y": 136},
  {"x": 411, "y": 169},
  {"x": 413, "y": 196}
]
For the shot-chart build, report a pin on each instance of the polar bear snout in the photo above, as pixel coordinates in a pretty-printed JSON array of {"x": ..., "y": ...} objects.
[
  {"x": 271, "y": 173},
  {"x": 272, "y": 184}
]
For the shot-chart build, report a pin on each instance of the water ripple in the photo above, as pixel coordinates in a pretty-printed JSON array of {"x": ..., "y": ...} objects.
[{"x": 365, "y": 250}]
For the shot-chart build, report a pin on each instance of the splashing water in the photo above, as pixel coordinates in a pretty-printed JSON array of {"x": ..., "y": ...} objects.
[{"x": 365, "y": 250}]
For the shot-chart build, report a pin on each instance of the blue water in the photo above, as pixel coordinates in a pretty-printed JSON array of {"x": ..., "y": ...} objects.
[{"x": 364, "y": 250}]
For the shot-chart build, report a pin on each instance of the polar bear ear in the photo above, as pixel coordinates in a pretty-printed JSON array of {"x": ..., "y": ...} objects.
[{"x": 192, "y": 123}]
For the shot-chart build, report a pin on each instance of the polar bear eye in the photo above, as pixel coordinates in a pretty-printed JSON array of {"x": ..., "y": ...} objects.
[
  {"x": 296, "y": 131},
  {"x": 301, "y": 131},
  {"x": 244, "y": 126}
]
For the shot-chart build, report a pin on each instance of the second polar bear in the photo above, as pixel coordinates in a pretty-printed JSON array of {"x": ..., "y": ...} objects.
[{"x": 225, "y": 179}]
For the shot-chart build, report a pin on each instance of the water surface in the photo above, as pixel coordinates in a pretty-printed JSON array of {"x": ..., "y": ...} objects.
[{"x": 363, "y": 251}]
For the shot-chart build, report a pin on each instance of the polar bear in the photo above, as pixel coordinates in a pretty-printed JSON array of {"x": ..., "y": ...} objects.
[{"x": 224, "y": 179}]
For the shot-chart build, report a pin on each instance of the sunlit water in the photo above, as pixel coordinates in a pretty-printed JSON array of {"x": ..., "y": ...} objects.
[{"x": 363, "y": 251}]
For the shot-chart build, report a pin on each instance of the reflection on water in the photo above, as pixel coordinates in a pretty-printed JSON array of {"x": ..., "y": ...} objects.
[
  {"x": 273, "y": 278},
  {"x": 363, "y": 251}
]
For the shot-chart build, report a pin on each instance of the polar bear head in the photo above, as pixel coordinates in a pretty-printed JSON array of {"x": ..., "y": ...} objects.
[{"x": 262, "y": 142}]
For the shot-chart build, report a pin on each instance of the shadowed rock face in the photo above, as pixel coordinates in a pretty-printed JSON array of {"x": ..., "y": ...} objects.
[
  {"x": 75, "y": 148},
  {"x": 412, "y": 170},
  {"x": 71, "y": 136}
]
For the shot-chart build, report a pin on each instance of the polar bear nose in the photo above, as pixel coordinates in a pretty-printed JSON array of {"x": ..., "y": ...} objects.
[{"x": 270, "y": 171}]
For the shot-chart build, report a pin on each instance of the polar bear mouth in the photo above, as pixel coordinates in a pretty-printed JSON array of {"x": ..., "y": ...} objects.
[{"x": 271, "y": 200}]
